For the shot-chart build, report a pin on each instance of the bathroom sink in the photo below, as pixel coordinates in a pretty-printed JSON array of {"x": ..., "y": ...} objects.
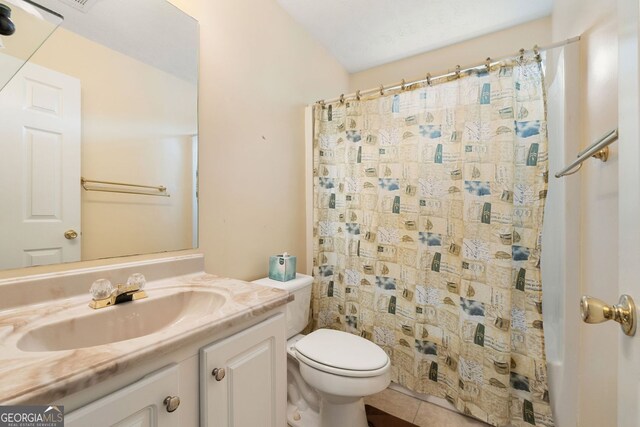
[{"x": 121, "y": 322}]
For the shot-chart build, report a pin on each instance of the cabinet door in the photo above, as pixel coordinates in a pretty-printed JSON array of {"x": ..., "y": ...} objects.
[
  {"x": 139, "y": 404},
  {"x": 253, "y": 391}
]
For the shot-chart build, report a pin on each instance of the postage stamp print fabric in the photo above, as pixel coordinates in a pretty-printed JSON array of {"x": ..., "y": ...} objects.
[{"x": 428, "y": 207}]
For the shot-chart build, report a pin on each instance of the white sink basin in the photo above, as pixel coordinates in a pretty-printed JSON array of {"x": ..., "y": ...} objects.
[{"x": 120, "y": 322}]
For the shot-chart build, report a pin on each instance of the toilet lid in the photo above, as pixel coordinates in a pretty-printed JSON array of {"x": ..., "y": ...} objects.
[{"x": 342, "y": 350}]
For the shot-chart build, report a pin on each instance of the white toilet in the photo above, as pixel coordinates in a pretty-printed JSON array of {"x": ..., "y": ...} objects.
[{"x": 328, "y": 372}]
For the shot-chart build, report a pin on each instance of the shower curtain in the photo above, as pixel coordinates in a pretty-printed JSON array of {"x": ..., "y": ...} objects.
[{"x": 428, "y": 206}]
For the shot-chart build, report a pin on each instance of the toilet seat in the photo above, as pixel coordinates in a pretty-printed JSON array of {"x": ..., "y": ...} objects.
[
  {"x": 341, "y": 353},
  {"x": 341, "y": 372}
]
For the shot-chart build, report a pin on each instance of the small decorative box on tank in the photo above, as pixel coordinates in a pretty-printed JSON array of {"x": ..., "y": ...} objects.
[{"x": 282, "y": 267}]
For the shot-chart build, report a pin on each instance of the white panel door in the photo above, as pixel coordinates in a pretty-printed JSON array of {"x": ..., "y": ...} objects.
[
  {"x": 137, "y": 405},
  {"x": 253, "y": 390},
  {"x": 628, "y": 369},
  {"x": 40, "y": 126}
]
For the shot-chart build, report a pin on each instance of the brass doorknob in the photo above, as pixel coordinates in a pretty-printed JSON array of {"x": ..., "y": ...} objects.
[
  {"x": 70, "y": 234},
  {"x": 594, "y": 310},
  {"x": 218, "y": 373},
  {"x": 171, "y": 403}
]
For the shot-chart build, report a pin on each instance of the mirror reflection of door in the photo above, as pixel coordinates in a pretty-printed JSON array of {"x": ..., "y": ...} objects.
[
  {"x": 138, "y": 126},
  {"x": 39, "y": 168}
]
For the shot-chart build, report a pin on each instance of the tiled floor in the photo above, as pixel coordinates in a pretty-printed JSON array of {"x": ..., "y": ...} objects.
[{"x": 422, "y": 414}]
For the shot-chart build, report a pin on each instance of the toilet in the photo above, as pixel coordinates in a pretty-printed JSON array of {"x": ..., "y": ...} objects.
[{"x": 328, "y": 372}]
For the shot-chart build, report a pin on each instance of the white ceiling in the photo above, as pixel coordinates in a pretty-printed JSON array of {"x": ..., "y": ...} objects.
[
  {"x": 365, "y": 33},
  {"x": 152, "y": 31}
]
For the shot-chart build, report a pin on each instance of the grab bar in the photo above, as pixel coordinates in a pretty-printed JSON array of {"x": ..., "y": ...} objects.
[
  {"x": 598, "y": 149},
  {"x": 161, "y": 190}
]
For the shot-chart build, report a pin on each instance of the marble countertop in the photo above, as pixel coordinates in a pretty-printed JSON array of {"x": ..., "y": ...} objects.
[{"x": 40, "y": 377}]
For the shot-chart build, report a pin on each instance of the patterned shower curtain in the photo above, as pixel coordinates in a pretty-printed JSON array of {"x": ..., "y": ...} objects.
[{"x": 428, "y": 207}]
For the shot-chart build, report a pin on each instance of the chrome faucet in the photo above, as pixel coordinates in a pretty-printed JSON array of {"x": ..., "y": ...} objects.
[{"x": 105, "y": 294}]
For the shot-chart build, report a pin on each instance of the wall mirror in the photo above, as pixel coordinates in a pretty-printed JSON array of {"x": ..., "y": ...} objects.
[
  {"x": 98, "y": 132},
  {"x": 15, "y": 50}
]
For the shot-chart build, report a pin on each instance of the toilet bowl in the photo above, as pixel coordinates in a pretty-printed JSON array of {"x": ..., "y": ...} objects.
[
  {"x": 328, "y": 372},
  {"x": 343, "y": 368}
]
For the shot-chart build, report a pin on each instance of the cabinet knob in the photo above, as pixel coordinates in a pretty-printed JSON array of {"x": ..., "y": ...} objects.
[
  {"x": 218, "y": 373},
  {"x": 172, "y": 403}
]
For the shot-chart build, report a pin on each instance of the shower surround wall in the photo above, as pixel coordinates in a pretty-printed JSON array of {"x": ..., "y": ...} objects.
[{"x": 588, "y": 383}]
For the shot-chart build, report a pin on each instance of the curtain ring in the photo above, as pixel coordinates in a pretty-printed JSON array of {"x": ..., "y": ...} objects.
[
  {"x": 402, "y": 85},
  {"x": 521, "y": 54},
  {"x": 381, "y": 90},
  {"x": 536, "y": 51},
  {"x": 358, "y": 94},
  {"x": 457, "y": 71},
  {"x": 429, "y": 79},
  {"x": 321, "y": 102},
  {"x": 488, "y": 63},
  {"x": 342, "y": 98}
]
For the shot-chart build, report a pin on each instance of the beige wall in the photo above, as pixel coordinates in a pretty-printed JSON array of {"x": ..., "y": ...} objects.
[
  {"x": 143, "y": 139},
  {"x": 258, "y": 70},
  {"x": 598, "y": 92},
  {"x": 469, "y": 52}
]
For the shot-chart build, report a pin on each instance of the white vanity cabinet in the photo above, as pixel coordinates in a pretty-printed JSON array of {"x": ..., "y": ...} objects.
[
  {"x": 140, "y": 404},
  {"x": 251, "y": 391}
]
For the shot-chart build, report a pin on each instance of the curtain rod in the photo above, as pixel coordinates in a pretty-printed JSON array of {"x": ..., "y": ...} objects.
[{"x": 489, "y": 62}]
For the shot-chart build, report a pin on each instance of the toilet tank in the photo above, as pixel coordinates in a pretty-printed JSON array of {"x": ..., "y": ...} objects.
[{"x": 298, "y": 309}]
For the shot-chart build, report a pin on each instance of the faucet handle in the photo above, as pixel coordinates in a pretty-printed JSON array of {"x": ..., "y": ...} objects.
[
  {"x": 136, "y": 280},
  {"x": 101, "y": 289}
]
